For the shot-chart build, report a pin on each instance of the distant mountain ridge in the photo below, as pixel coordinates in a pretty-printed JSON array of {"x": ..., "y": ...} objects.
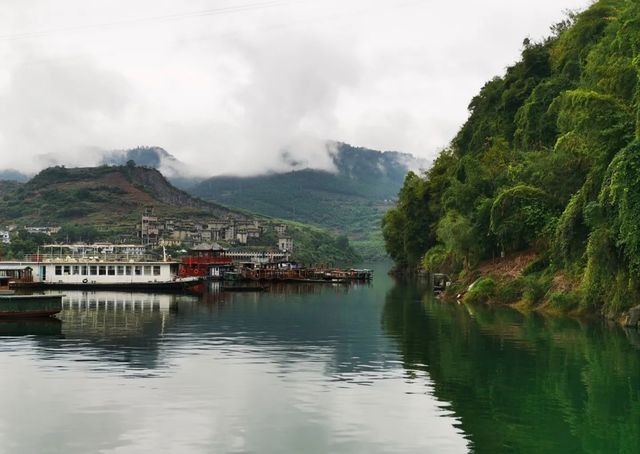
[
  {"x": 350, "y": 200},
  {"x": 13, "y": 175}
]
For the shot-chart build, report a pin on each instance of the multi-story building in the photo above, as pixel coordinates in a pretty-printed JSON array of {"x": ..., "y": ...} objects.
[
  {"x": 285, "y": 244},
  {"x": 47, "y": 230}
]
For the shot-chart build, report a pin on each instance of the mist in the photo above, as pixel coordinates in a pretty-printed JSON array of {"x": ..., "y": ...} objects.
[{"x": 248, "y": 88}]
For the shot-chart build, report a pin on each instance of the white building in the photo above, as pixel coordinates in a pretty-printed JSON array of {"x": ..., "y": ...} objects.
[
  {"x": 5, "y": 237},
  {"x": 285, "y": 244}
]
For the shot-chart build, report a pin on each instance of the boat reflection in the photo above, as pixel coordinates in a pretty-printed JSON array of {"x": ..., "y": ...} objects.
[{"x": 43, "y": 326}]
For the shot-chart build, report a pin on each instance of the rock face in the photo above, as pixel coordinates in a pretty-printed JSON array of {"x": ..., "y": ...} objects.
[
  {"x": 631, "y": 318},
  {"x": 156, "y": 184}
]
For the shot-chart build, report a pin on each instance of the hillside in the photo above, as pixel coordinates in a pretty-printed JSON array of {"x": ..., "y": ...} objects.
[
  {"x": 349, "y": 201},
  {"x": 546, "y": 163},
  {"x": 104, "y": 203},
  {"x": 98, "y": 195}
]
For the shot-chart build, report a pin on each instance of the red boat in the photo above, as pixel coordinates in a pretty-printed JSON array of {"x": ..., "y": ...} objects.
[{"x": 204, "y": 257}]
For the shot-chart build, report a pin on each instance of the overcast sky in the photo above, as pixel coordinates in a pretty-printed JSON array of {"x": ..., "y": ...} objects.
[{"x": 227, "y": 86}]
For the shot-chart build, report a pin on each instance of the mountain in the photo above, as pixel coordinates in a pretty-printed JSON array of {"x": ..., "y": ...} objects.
[
  {"x": 13, "y": 175},
  {"x": 105, "y": 203},
  {"x": 547, "y": 167},
  {"x": 98, "y": 195},
  {"x": 349, "y": 201}
]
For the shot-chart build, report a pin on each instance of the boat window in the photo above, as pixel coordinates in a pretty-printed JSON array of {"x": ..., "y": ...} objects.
[
  {"x": 127, "y": 270},
  {"x": 111, "y": 270},
  {"x": 58, "y": 270},
  {"x": 84, "y": 270},
  {"x": 147, "y": 270},
  {"x": 75, "y": 269},
  {"x": 138, "y": 270},
  {"x": 156, "y": 270},
  {"x": 120, "y": 270},
  {"x": 102, "y": 270},
  {"x": 93, "y": 270},
  {"x": 67, "y": 270}
]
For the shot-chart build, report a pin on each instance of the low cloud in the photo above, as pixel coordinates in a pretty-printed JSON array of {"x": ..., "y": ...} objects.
[{"x": 247, "y": 89}]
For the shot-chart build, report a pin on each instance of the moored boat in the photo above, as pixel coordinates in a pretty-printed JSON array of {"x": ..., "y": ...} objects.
[
  {"x": 78, "y": 268},
  {"x": 19, "y": 306}
]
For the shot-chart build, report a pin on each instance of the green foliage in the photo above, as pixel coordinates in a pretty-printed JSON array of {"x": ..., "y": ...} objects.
[
  {"x": 519, "y": 216},
  {"x": 317, "y": 246},
  {"x": 565, "y": 302},
  {"x": 455, "y": 232},
  {"x": 23, "y": 243},
  {"x": 349, "y": 201},
  {"x": 482, "y": 291},
  {"x": 548, "y": 159},
  {"x": 535, "y": 288},
  {"x": 77, "y": 233},
  {"x": 406, "y": 228},
  {"x": 509, "y": 292},
  {"x": 435, "y": 260}
]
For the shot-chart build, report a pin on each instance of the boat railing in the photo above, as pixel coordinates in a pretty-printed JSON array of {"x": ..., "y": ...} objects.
[{"x": 97, "y": 258}]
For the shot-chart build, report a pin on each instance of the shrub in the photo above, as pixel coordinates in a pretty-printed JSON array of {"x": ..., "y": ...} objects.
[
  {"x": 482, "y": 291},
  {"x": 564, "y": 302},
  {"x": 535, "y": 288},
  {"x": 509, "y": 292}
]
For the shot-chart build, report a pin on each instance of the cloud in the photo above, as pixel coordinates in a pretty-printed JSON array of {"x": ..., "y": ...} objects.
[
  {"x": 248, "y": 89},
  {"x": 58, "y": 110}
]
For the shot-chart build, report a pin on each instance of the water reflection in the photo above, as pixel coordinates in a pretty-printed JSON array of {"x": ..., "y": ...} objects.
[
  {"x": 522, "y": 383},
  {"x": 30, "y": 327},
  {"x": 284, "y": 371},
  {"x": 379, "y": 368}
]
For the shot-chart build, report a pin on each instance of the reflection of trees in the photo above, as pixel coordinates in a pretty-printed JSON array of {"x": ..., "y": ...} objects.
[{"x": 522, "y": 383}]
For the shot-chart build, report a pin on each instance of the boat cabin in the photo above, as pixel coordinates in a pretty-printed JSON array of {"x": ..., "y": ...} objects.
[
  {"x": 202, "y": 258},
  {"x": 15, "y": 273}
]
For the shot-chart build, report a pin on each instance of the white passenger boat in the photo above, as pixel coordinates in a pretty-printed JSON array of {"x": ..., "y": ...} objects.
[{"x": 106, "y": 270}]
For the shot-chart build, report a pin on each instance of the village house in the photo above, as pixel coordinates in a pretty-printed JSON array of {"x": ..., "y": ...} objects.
[{"x": 285, "y": 244}]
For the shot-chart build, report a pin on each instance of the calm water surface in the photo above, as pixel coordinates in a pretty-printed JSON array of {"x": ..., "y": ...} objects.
[{"x": 319, "y": 369}]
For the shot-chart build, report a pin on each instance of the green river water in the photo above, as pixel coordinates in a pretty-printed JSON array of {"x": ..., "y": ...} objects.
[{"x": 381, "y": 368}]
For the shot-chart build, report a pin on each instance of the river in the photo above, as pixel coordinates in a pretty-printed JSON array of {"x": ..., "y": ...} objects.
[{"x": 381, "y": 368}]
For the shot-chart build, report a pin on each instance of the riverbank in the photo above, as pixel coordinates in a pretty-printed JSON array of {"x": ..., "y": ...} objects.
[{"x": 527, "y": 282}]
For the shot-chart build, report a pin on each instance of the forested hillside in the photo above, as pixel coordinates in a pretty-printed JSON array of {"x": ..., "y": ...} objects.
[
  {"x": 349, "y": 201},
  {"x": 97, "y": 195},
  {"x": 549, "y": 162}
]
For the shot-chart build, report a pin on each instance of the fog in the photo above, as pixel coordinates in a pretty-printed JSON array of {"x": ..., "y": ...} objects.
[{"x": 247, "y": 87}]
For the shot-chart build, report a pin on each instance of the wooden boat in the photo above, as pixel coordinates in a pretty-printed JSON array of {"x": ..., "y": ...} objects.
[{"x": 21, "y": 306}]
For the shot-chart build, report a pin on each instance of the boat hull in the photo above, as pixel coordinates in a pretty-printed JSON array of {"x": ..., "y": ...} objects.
[
  {"x": 28, "y": 306},
  {"x": 133, "y": 286}
]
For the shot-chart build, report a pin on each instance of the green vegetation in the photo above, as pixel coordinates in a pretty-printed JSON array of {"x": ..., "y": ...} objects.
[
  {"x": 101, "y": 196},
  {"x": 314, "y": 245},
  {"x": 105, "y": 203},
  {"x": 22, "y": 244},
  {"x": 349, "y": 202},
  {"x": 548, "y": 161}
]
